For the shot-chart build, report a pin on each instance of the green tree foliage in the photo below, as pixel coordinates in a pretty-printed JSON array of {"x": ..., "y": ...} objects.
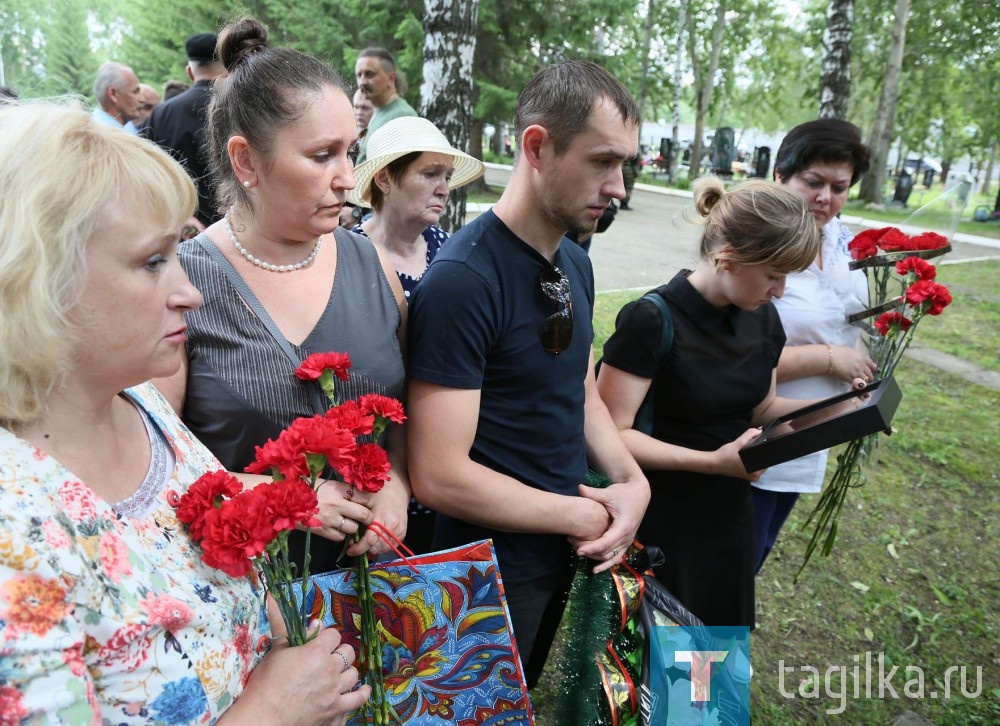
[
  {"x": 69, "y": 61},
  {"x": 767, "y": 76},
  {"x": 153, "y": 42},
  {"x": 23, "y": 27}
]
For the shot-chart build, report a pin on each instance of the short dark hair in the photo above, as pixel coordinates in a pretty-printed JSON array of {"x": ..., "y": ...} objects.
[
  {"x": 830, "y": 140},
  {"x": 174, "y": 88},
  {"x": 384, "y": 56},
  {"x": 265, "y": 90},
  {"x": 561, "y": 98},
  {"x": 395, "y": 169}
]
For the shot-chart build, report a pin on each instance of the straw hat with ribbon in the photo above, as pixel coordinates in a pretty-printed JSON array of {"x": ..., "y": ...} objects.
[{"x": 403, "y": 136}]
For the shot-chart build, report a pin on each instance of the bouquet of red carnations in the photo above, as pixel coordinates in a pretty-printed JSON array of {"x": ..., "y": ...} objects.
[
  {"x": 903, "y": 292},
  {"x": 242, "y": 530}
]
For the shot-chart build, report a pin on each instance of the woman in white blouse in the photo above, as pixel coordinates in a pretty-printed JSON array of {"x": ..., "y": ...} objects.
[{"x": 821, "y": 160}]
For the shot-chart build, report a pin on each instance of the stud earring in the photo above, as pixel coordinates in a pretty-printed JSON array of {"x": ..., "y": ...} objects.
[{"x": 246, "y": 184}]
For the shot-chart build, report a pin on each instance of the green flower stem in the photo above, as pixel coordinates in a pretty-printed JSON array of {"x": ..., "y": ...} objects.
[
  {"x": 279, "y": 577},
  {"x": 826, "y": 514},
  {"x": 370, "y": 650}
]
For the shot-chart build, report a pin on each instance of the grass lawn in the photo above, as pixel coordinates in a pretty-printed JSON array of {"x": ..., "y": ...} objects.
[
  {"x": 914, "y": 573},
  {"x": 488, "y": 196}
]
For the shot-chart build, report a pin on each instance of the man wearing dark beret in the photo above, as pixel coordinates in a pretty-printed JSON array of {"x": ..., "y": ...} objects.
[{"x": 179, "y": 125}]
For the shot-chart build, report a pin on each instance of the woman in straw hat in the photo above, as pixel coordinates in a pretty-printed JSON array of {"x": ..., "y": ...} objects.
[
  {"x": 406, "y": 179},
  {"x": 410, "y": 169}
]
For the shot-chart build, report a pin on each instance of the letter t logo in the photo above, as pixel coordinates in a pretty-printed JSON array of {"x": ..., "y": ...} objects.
[{"x": 701, "y": 670}]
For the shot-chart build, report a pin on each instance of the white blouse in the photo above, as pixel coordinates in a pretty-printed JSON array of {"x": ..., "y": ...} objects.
[{"x": 814, "y": 310}]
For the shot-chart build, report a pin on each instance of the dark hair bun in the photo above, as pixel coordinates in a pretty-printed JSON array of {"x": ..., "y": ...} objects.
[{"x": 239, "y": 40}]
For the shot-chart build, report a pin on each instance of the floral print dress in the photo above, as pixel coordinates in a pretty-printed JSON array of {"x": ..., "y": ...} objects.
[{"x": 114, "y": 619}]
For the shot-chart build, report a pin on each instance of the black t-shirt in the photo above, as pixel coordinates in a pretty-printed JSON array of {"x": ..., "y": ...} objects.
[{"x": 475, "y": 323}]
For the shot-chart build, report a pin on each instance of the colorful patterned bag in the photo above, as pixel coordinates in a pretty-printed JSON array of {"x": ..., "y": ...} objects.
[{"x": 448, "y": 656}]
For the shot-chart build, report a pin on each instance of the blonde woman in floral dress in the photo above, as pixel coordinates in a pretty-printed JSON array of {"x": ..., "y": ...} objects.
[{"x": 107, "y": 612}]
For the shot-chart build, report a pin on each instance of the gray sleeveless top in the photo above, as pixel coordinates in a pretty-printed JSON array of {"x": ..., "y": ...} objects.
[{"x": 241, "y": 388}]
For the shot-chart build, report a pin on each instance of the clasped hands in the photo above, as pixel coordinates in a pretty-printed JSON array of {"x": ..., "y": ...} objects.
[{"x": 609, "y": 519}]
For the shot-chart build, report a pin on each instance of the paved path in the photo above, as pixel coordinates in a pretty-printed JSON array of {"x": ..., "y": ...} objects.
[{"x": 645, "y": 247}]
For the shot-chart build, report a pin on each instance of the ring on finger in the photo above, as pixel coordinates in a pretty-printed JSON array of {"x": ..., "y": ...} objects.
[
  {"x": 347, "y": 663},
  {"x": 614, "y": 551},
  {"x": 341, "y": 522}
]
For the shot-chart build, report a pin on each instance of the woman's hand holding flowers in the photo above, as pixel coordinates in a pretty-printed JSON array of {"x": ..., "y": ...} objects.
[
  {"x": 342, "y": 509},
  {"x": 851, "y": 363}
]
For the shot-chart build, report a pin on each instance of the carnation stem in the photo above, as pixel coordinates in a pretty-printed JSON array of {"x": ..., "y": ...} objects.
[
  {"x": 826, "y": 513},
  {"x": 370, "y": 655}
]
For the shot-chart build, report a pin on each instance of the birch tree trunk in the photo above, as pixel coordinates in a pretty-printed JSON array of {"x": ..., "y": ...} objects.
[
  {"x": 835, "y": 79},
  {"x": 676, "y": 105},
  {"x": 647, "y": 42},
  {"x": 704, "y": 78},
  {"x": 988, "y": 181},
  {"x": 446, "y": 91},
  {"x": 885, "y": 116}
]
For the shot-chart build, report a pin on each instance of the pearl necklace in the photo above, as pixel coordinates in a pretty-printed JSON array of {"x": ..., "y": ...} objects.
[{"x": 267, "y": 265}]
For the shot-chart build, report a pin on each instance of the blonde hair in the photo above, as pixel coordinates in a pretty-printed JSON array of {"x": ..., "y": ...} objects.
[
  {"x": 61, "y": 172},
  {"x": 756, "y": 222}
]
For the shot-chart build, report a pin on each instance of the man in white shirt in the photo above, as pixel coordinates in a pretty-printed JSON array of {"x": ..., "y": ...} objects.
[{"x": 118, "y": 95}]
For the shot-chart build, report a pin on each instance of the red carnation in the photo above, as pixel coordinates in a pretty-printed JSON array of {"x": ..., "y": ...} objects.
[
  {"x": 204, "y": 498},
  {"x": 240, "y": 532},
  {"x": 865, "y": 244},
  {"x": 893, "y": 240},
  {"x": 383, "y": 406},
  {"x": 289, "y": 504},
  {"x": 370, "y": 468},
  {"x": 349, "y": 415},
  {"x": 892, "y": 321},
  {"x": 284, "y": 457},
  {"x": 313, "y": 366},
  {"x": 923, "y": 269},
  {"x": 927, "y": 296},
  {"x": 289, "y": 454},
  {"x": 940, "y": 300},
  {"x": 928, "y": 241}
]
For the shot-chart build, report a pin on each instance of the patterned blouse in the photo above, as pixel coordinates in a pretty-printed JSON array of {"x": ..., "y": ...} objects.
[{"x": 112, "y": 618}]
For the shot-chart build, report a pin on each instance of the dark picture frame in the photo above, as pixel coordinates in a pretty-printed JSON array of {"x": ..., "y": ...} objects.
[{"x": 819, "y": 426}]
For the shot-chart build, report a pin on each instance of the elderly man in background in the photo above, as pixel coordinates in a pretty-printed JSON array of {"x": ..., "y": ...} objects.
[
  {"x": 148, "y": 100},
  {"x": 118, "y": 94},
  {"x": 379, "y": 81},
  {"x": 178, "y": 125}
]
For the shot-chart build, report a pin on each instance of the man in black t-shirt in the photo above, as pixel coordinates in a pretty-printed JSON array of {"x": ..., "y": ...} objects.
[{"x": 503, "y": 406}]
